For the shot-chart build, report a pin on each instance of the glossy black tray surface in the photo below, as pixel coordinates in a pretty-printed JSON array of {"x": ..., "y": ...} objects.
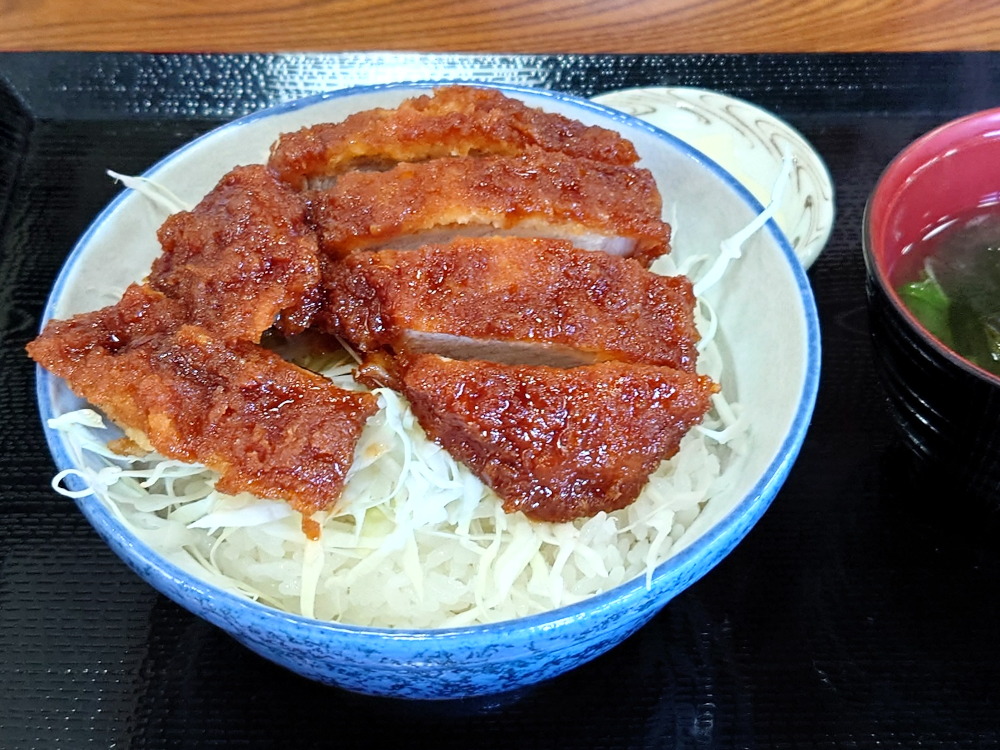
[{"x": 861, "y": 612}]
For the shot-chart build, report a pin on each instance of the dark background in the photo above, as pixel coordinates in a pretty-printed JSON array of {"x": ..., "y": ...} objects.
[{"x": 861, "y": 612}]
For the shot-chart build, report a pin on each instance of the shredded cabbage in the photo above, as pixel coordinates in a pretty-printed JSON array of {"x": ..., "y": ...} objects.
[{"x": 152, "y": 190}]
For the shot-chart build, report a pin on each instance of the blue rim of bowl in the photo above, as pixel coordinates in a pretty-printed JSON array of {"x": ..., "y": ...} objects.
[{"x": 738, "y": 521}]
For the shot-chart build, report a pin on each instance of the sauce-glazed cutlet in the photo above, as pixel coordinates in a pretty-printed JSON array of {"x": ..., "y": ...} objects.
[
  {"x": 512, "y": 299},
  {"x": 267, "y": 426},
  {"x": 243, "y": 259},
  {"x": 608, "y": 207},
  {"x": 452, "y": 121},
  {"x": 556, "y": 444}
]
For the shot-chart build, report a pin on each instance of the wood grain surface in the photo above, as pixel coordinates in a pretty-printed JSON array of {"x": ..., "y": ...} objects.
[{"x": 538, "y": 26}]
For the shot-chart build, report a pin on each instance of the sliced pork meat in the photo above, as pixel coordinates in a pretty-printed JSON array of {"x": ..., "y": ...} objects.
[
  {"x": 514, "y": 300},
  {"x": 452, "y": 121},
  {"x": 267, "y": 426},
  {"x": 556, "y": 444},
  {"x": 613, "y": 208},
  {"x": 487, "y": 259},
  {"x": 244, "y": 259}
]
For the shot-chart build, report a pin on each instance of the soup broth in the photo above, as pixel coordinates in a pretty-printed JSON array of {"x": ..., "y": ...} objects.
[{"x": 951, "y": 282}]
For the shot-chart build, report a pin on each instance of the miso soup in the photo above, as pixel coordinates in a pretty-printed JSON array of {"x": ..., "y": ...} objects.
[{"x": 951, "y": 283}]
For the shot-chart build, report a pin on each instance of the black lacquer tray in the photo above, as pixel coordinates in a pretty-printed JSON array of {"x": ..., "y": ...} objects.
[{"x": 861, "y": 612}]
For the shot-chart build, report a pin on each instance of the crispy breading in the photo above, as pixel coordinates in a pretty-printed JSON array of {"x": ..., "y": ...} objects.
[
  {"x": 556, "y": 444},
  {"x": 598, "y": 206},
  {"x": 243, "y": 259},
  {"x": 512, "y": 299},
  {"x": 452, "y": 121},
  {"x": 570, "y": 368},
  {"x": 267, "y": 426}
]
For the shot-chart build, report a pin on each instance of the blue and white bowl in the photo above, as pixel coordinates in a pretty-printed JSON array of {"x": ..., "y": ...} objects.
[{"x": 769, "y": 331}]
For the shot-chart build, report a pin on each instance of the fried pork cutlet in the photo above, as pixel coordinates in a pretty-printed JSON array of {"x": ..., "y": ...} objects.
[
  {"x": 556, "y": 444},
  {"x": 453, "y": 121},
  {"x": 512, "y": 299},
  {"x": 613, "y": 208},
  {"x": 245, "y": 258},
  {"x": 267, "y": 426}
]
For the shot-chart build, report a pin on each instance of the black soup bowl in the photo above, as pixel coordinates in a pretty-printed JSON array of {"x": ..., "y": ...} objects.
[{"x": 936, "y": 200}]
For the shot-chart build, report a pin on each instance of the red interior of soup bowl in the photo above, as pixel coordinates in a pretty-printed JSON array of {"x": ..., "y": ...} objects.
[{"x": 942, "y": 175}]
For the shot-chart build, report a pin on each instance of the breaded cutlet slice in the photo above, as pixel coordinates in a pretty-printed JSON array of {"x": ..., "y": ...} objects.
[
  {"x": 556, "y": 444},
  {"x": 244, "y": 259},
  {"x": 450, "y": 121},
  {"x": 513, "y": 300},
  {"x": 265, "y": 425},
  {"x": 603, "y": 207}
]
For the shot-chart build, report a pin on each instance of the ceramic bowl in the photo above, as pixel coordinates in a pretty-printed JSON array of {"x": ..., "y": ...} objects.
[
  {"x": 769, "y": 331},
  {"x": 947, "y": 409}
]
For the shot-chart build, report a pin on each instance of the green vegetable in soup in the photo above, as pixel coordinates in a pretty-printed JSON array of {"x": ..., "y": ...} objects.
[
  {"x": 957, "y": 296},
  {"x": 928, "y": 302}
]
